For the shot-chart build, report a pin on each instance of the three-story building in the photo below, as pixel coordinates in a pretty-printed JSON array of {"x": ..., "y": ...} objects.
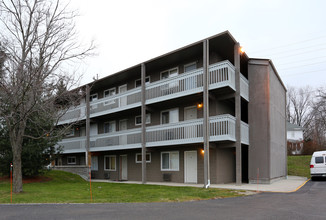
[{"x": 211, "y": 115}]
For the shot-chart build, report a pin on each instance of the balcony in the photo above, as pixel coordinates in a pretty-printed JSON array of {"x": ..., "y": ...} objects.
[
  {"x": 222, "y": 128},
  {"x": 221, "y": 74}
]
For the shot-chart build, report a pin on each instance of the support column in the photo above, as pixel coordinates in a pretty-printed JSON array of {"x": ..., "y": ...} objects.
[
  {"x": 88, "y": 154},
  {"x": 143, "y": 122},
  {"x": 206, "y": 113},
  {"x": 237, "y": 114}
]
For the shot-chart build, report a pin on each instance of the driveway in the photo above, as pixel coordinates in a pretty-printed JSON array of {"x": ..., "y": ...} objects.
[{"x": 306, "y": 203}]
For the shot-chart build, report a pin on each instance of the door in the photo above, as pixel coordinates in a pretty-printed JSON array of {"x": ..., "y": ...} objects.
[
  {"x": 94, "y": 166},
  {"x": 123, "y": 127},
  {"x": 190, "y": 166},
  {"x": 123, "y": 99},
  {"x": 123, "y": 167},
  {"x": 190, "y": 113}
]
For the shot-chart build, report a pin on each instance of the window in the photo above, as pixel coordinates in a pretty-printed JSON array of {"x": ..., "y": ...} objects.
[
  {"x": 109, "y": 127},
  {"x": 190, "y": 66},
  {"x": 70, "y": 132},
  {"x": 138, "y": 81},
  {"x": 319, "y": 159},
  {"x": 170, "y": 116},
  {"x": 93, "y": 97},
  {"x": 138, "y": 119},
  {"x": 71, "y": 160},
  {"x": 110, "y": 163},
  {"x": 139, "y": 158},
  {"x": 170, "y": 161},
  {"x": 169, "y": 73},
  {"x": 94, "y": 163},
  {"x": 109, "y": 92}
]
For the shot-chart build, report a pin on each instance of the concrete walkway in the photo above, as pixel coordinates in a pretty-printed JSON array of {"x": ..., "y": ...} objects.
[{"x": 290, "y": 184}]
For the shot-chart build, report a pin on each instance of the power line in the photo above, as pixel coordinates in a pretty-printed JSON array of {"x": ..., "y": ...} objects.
[
  {"x": 314, "y": 58},
  {"x": 302, "y": 65},
  {"x": 294, "y": 74},
  {"x": 302, "y": 48},
  {"x": 304, "y": 52},
  {"x": 286, "y": 45}
]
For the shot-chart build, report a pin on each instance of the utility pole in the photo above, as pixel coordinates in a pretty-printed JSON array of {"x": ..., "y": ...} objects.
[
  {"x": 143, "y": 122},
  {"x": 206, "y": 113},
  {"x": 88, "y": 154}
]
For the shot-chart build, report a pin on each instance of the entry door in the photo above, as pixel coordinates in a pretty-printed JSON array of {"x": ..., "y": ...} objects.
[
  {"x": 93, "y": 130},
  {"x": 122, "y": 127},
  {"x": 123, "y": 167},
  {"x": 190, "y": 166},
  {"x": 123, "y": 100},
  {"x": 191, "y": 113}
]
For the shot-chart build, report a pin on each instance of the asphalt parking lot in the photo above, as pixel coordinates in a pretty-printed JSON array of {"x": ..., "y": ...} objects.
[{"x": 306, "y": 203}]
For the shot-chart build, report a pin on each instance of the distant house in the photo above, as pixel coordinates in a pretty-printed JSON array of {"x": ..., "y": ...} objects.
[{"x": 294, "y": 138}]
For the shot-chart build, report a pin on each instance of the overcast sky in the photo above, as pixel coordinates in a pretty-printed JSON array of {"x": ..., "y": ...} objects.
[{"x": 290, "y": 32}]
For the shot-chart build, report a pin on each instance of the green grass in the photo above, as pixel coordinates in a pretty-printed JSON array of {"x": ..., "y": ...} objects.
[
  {"x": 69, "y": 188},
  {"x": 299, "y": 165}
]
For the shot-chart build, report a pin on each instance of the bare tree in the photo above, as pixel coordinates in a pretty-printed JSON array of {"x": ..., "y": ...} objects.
[
  {"x": 299, "y": 106},
  {"x": 319, "y": 122},
  {"x": 38, "y": 37}
]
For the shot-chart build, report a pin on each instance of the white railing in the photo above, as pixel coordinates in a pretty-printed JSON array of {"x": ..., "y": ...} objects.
[
  {"x": 221, "y": 74},
  {"x": 175, "y": 133},
  {"x": 244, "y": 133},
  {"x": 71, "y": 115},
  {"x": 121, "y": 138},
  {"x": 221, "y": 128},
  {"x": 118, "y": 102},
  {"x": 177, "y": 86},
  {"x": 244, "y": 87},
  {"x": 73, "y": 144}
]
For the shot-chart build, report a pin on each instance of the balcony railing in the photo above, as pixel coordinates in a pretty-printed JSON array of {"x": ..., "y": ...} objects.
[
  {"x": 73, "y": 145},
  {"x": 221, "y": 74},
  {"x": 244, "y": 87},
  {"x": 221, "y": 128}
]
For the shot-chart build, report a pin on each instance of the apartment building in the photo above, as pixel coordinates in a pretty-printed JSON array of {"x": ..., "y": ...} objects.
[{"x": 211, "y": 115}]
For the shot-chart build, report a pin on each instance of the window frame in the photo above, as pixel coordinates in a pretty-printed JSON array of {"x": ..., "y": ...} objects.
[
  {"x": 109, "y": 90},
  {"x": 168, "y": 110},
  {"x": 189, "y": 64},
  {"x": 147, "y": 161},
  {"x": 115, "y": 164},
  {"x": 71, "y": 157},
  {"x": 170, "y": 169},
  {"x": 169, "y": 72},
  {"x": 115, "y": 127},
  {"x": 139, "y": 116},
  {"x": 91, "y": 97},
  {"x": 147, "y": 81},
  {"x": 71, "y": 132}
]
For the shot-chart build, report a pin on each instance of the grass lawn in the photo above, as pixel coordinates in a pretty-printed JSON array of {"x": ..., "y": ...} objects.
[
  {"x": 70, "y": 188},
  {"x": 299, "y": 165}
]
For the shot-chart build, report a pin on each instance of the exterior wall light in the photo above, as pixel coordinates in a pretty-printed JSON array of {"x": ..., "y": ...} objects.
[
  {"x": 202, "y": 151},
  {"x": 242, "y": 50},
  {"x": 199, "y": 105}
]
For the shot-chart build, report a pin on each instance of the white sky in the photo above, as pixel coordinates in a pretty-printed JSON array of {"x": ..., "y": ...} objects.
[{"x": 127, "y": 32}]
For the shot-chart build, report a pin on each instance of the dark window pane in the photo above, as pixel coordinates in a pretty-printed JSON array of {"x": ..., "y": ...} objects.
[{"x": 319, "y": 159}]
